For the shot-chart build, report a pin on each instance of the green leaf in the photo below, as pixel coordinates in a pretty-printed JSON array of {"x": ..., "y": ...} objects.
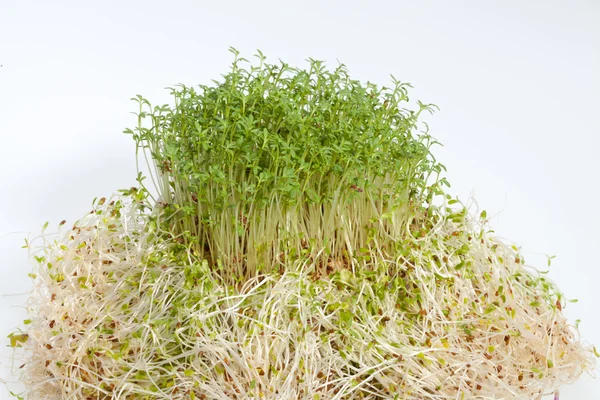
[
  {"x": 346, "y": 317},
  {"x": 18, "y": 340}
]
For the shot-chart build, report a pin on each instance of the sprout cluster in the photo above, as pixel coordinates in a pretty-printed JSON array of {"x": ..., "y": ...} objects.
[
  {"x": 277, "y": 161},
  {"x": 301, "y": 247}
]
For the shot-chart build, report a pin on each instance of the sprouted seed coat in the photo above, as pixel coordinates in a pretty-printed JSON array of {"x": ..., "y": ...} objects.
[{"x": 286, "y": 259}]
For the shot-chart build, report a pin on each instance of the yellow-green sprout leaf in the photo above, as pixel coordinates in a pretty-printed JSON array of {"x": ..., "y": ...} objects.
[
  {"x": 346, "y": 317},
  {"x": 18, "y": 340}
]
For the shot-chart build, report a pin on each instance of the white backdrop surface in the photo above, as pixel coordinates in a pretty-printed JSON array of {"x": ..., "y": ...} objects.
[{"x": 517, "y": 83}]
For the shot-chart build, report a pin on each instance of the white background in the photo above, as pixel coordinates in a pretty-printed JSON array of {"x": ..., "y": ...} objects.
[{"x": 517, "y": 82}]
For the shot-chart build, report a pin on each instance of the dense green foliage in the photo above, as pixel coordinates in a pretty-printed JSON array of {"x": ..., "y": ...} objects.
[{"x": 278, "y": 159}]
